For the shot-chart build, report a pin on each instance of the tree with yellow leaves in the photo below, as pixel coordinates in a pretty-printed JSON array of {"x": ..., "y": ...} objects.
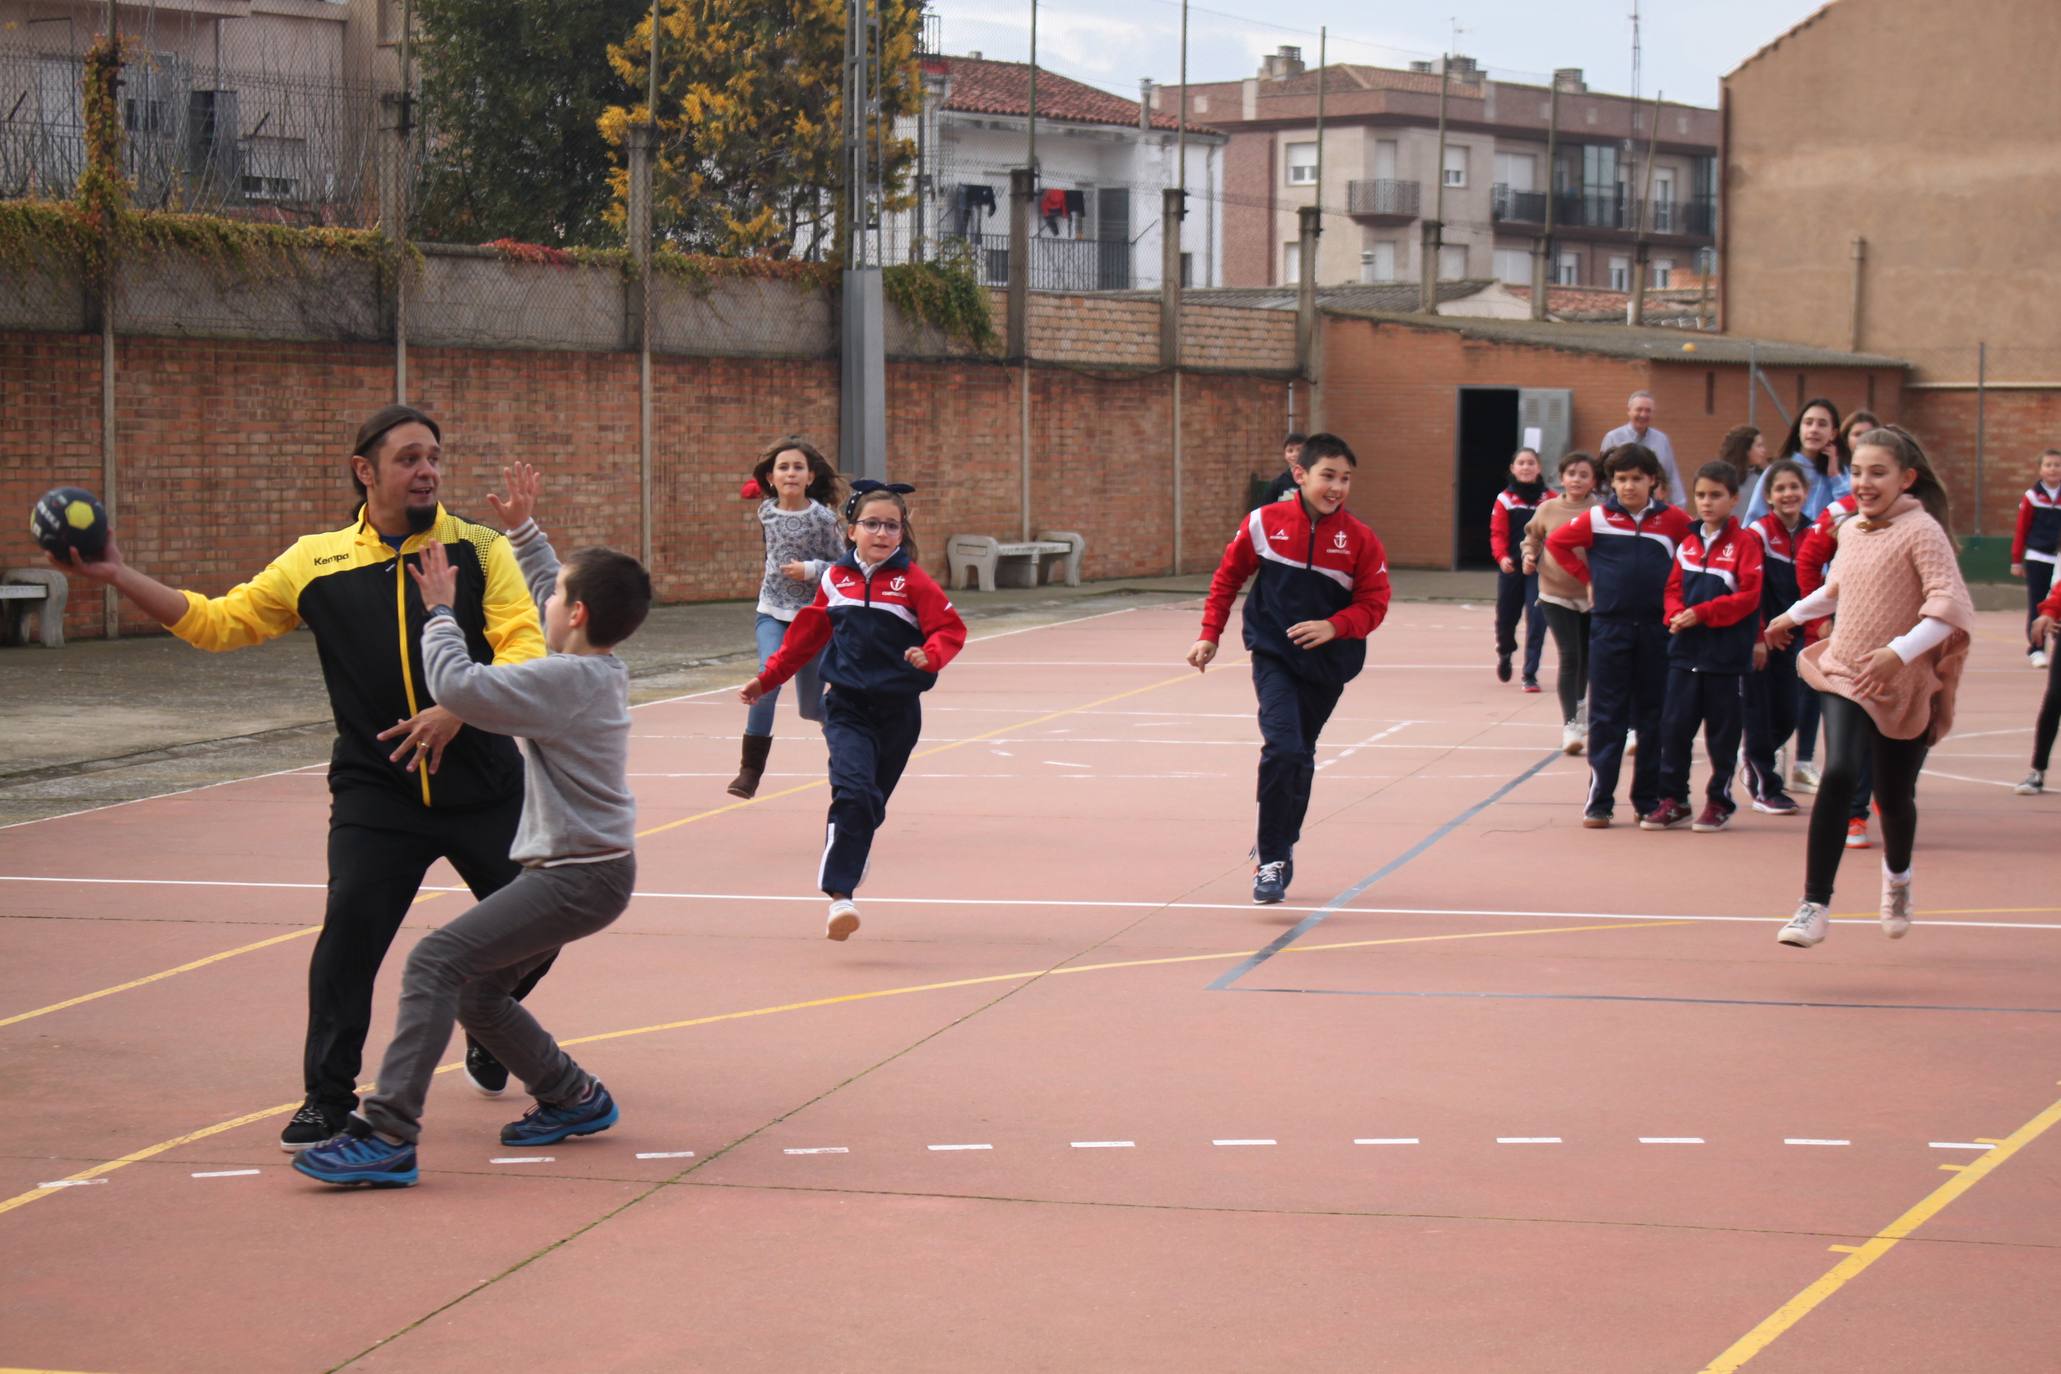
[{"x": 750, "y": 120}]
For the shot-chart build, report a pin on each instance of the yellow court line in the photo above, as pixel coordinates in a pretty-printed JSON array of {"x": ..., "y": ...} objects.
[
  {"x": 654, "y": 830},
  {"x": 1885, "y": 1240},
  {"x": 151, "y": 1151}
]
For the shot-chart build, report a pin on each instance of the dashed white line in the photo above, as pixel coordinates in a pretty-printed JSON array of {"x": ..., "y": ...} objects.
[
  {"x": 961, "y": 1147},
  {"x": 1243, "y": 1142},
  {"x": 72, "y": 1183},
  {"x": 1105, "y": 1144},
  {"x": 819, "y": 1150},
  {"x": 1670, "y": 1140},
  {"x": 1799, "y": 1140},
  {"x": 522, "y": 1159},
  {"x": 666, "y": 1154},
  {"x": 1960, "y": 1145},
  {"x": 1388, "y": 1140},
  {"x": 228, "y": 1173},
  {"x": 1528, "y": 1140}
]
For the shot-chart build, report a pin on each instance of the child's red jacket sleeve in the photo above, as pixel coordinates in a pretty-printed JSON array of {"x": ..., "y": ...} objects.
[
  {"x": 1739, "y": 603},
  {"x": 1673, "y": 605},
  {"x": 1577, "y": 533},
  {"x": 1371, "y": 592},
  {"x": 1499, "y": 531},
  {"x": 1814, "y": 555},
  {"x": 803, "y": 640},
  {"x": 1239, "y": 562},
  {"x": 944, "y": 633},
  {"x": 2051, "y": 607},
  {"x": 2025, "y": 513}
]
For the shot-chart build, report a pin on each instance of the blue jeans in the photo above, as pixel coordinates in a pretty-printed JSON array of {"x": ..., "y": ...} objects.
[{"x": 769, "y": 630}]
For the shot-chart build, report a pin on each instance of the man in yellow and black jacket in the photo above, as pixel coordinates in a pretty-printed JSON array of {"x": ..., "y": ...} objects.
[{"x": 409, "y": 783}]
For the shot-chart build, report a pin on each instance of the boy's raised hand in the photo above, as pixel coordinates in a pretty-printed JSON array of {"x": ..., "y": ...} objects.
[
  {"x": 1201, "y": 652},
  {"x": 520, "y": 504},
  {"x": 1308, "y": 634},
  {"x": 917, "y": 659},
  {"x": 436, "y": 577}
]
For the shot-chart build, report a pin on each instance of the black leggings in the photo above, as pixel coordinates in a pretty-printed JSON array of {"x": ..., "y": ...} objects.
[
  {"x": 1571, "y": 646},
  {"x": 2050, "y": 710},
  {"x": 1852, "y": 740}
]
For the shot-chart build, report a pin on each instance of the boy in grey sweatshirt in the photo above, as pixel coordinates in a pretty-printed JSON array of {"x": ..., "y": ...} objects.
[{"x": 571, "y": 714}]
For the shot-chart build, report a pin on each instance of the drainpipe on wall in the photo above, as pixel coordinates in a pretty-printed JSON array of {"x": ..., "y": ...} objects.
[{"x": 1860, "y": 259}]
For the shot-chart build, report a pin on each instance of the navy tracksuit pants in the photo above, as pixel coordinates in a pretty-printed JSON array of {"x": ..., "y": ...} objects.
[
  {"x": 2039, "y": 580},
  {"x": 1711, "y": 700},
  {"x": 1517, "y": 595},
  {"x": 1771, "y": 704},
  {"x": 1292, "y": 713},
  {"x": 1627, "y": 686},
  {"x": 870, "y": 735}
]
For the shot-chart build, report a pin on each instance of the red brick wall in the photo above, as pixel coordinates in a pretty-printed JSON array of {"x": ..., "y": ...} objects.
[
  {"x": 1248, "y": 211},
  {"x": 230, "y": 450},
  {"x": 2016, "y": 426}
]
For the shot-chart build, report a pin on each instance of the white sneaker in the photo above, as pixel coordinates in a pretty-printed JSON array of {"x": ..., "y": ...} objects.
[
  {"x": 1572, "y": 738},
  {"x": 844, "y": 919},
  {"x": 1806, "y": 927},
  {"x": 2038, "y": 658},
  {"x": 2034, "y": 784},
  {"x": 1804, "y": 777},
  {"x": 1896, "y": 906}
]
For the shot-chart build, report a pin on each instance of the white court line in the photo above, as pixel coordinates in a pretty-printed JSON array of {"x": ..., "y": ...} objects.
[
  {"x": 229, "y": 1173},
  {"x": 665, "y": 1154},
  {"x": 1366, "y": 743},
  {"x": 1798, "y": 1140},
  {"x": 1105, "y": 1144},
  {"x": 1244, "y": 1142},
  {"x": 959, "y": 1147},
  {"x": 1484, "y": 913},
  {"x": 819, "y": 1150},
  {"x": 1388, "y": 1140},
  {"x": 1962, "y": 777},
  {"x": 1670, "y": 1140},
  {"x": 72, "y": 1183},
  {"x": 1960, "y": 1145},
  {"x": 522, "y": 1159},
  {"x": 1062, "y": 763},
  {"x": 1529, "y": 1140}
]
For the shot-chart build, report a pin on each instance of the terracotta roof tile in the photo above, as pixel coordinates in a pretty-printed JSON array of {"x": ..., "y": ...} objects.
[{"x": 977, "y": 85}]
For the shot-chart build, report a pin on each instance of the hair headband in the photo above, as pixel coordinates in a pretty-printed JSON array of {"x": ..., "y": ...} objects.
[{"x": 866, "y": 484}]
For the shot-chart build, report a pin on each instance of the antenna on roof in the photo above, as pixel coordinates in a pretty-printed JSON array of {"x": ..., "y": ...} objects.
[{"x": 1635, "y": 52}]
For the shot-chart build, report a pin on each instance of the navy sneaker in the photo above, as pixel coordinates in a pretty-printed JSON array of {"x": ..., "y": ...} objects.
[
  {"x": 548, "y": 1123},
  {"x": 483, "y": 1071},
  {"x": 1270, "y": 882},
  {"x": 358, "y": 1158}
]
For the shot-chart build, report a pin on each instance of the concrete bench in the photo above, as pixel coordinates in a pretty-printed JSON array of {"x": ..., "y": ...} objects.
[
  {"x": 1054, "y": 554},
  {"x": 38, "y": 592}
]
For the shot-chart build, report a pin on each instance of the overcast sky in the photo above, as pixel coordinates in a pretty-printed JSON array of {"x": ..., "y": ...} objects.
[{"x": 1688, "y": 45}]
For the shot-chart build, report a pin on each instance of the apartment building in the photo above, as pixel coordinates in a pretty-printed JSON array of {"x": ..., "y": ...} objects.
[{"x": 1383, "y": 175}]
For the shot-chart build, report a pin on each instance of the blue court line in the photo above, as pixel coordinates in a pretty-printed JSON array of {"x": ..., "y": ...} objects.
[
  {"x": 1687, "y": 1001},
  {"x": 1336, "y": 904}
]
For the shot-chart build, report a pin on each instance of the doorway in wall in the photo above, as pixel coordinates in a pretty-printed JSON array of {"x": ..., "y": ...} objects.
[{"x": 1491, "y": 423}]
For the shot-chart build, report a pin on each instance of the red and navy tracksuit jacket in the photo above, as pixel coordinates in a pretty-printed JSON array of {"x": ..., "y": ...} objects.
[
  {"x": 1814, "y": 555},
  {"x": 1779, "y": 546},
  {"x": 1720, "y": 575},
  {"x": 1330, "y": 569},
  {"x": 1630, "y": 558},
  {"x": 1770, "y": 699},
  {"x": 2038, "y": 539},
  {"x": 1512, "y": 513},
  {"x": 870, "y": 620}
]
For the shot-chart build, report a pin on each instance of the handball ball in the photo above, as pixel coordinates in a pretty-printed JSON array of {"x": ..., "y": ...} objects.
[{"x": 70, "y": 518}]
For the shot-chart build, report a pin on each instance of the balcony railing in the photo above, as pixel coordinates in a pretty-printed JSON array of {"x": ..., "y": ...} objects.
[
  {"x": 1058, "y": 264},
  {"x": 1597, "y": 208},
  {"x": 1384, "y": 199}
]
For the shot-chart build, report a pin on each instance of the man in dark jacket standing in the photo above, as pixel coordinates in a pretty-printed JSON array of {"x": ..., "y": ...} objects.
[{"x": 409, "y": 782}]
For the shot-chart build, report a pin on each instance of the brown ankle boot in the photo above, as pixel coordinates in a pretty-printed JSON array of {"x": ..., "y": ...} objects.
[{"x": 756, "y": 748}]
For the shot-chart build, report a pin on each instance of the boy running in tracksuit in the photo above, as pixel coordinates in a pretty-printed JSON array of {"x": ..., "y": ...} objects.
[
  {"x": 1713, "y": 619},
  {"x": 2036, "y": 543},
  {"x": 1630, "y": 542},
  {"x": 1321, "y": 589}
]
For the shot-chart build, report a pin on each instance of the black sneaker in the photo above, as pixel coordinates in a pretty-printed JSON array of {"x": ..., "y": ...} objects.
[
  {"x": 311, "y": 1125},
  {"x": 1502, "y": 667},
  {"x": 484, "y": 1072},
  {"x": 1270, "y": 883}
]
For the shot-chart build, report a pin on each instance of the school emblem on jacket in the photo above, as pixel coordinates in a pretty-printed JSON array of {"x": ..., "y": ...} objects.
[
  {"x": 1339, "y": 541},
  {"x": 896, "y": 584}
]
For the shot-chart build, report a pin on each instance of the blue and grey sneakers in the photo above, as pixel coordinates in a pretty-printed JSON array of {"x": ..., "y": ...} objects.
[
  {"x": 1270, "y": 882},
  {"x": 548, "y": 1123},
  {"x": 358, "y": 1158}
]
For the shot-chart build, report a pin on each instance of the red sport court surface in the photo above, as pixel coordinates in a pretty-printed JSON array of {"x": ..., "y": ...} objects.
[{"x": 1488, "y": 1092}]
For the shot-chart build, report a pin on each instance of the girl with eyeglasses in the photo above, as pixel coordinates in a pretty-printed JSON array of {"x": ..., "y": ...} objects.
[{"x": 889, "y": 628}]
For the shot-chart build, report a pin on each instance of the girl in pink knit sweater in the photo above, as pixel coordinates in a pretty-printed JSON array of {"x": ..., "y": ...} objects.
[{"x": 1888, "y": 673}]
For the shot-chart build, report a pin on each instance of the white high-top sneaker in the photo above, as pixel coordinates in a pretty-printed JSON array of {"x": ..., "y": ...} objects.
[
  {"x": 1806, "y": 928},
  {"x": 1896, "y": 905}
]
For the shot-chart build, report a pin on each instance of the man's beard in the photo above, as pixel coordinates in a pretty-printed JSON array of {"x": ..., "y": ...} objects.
[{"x": 421, "y": 518}]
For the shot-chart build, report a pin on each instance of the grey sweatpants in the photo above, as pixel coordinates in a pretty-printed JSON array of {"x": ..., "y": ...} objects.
[{"x": 467, "y": 971}]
